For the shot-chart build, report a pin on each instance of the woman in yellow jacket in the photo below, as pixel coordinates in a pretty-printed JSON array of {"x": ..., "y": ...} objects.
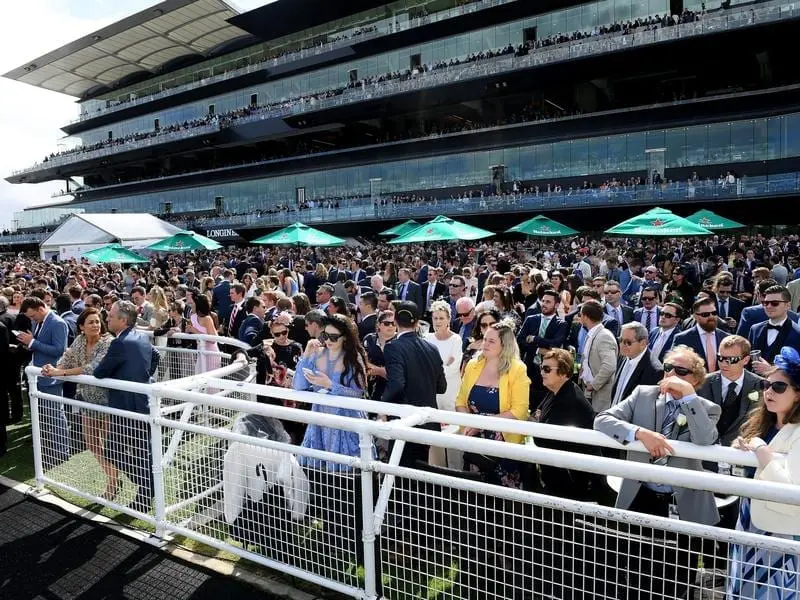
[{"x": 496, "y": 384}]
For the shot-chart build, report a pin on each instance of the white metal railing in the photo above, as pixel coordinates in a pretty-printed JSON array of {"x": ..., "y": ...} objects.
[{"x": 352, "y": 523}]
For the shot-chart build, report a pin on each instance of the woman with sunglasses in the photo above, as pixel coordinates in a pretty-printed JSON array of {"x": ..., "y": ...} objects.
[
  {"x": 496, "y": 384},
  {"x": 772, "y": 428},
  {"x": 334, "y": 363},
  {"x": 485, "y": 320},
  {"x": 449, "y": 346},
  {"x": 374, "y": 343}
]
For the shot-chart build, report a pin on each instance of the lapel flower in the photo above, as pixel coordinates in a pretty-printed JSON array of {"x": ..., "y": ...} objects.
[
  {"x": 753, "y": 396},
  {"x": 681, "y": 420}
]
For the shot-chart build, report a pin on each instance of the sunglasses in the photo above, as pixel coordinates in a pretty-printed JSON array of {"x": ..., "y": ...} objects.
[
  {"x": 668, "y": 316},
  {"x": 731, "y": 360},
  {"x": 772, "y": 303},
  {"x": 627, "y": 342},
  {"x": 706, "y": 314},
  {"x": 778, "y": 387},
  {"x": 388, "y": 323},
  {"x": 330, "y": 337},
  {"x": 547, "y": 369},
  {"x": 682, "y": 371},
  {"x": 466, "y": 314},
  {"x": 278, "y": 334},
  {"x": 648, "y": 298}
]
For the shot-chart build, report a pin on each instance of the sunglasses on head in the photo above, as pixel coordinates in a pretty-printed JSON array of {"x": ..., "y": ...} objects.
[
  {"x": 280, "y": 333},
  {"x": 682, "y": 371},
  {"x": 778, "y": 387},
  {"x": 330, "y": 337},
  {"x": 707, "y": 313},
  {"x": 731, "y": 360},
  {"x": 772, "y": 303}
]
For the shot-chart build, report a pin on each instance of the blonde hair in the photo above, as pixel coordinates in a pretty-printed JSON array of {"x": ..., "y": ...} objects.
[
  {"x": 698, "y": 365},
  {"x": 441, "y": 306},
  {"x": 509, "y": 352}
]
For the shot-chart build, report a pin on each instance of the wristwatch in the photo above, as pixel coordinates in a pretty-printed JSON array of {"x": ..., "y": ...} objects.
[{"x": 756, "y": 443}]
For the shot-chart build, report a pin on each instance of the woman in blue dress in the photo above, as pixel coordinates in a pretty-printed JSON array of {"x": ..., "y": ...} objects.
[
  {"x": 772, "y": 428},
  {"x": 334, "y": 364}
]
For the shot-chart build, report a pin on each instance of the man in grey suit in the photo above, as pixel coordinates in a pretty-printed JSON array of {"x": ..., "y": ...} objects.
[
  {"x": 407, "y": 289},
  {"x": 599, "y": 357},
  {"x": 656, "y": 415},
  {"x": 146, "y": 310}
]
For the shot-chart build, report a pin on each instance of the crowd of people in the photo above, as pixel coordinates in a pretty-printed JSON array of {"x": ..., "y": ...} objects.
[
  {"x": 263, "y": 111},
  {"x": 649, "y": 341}
]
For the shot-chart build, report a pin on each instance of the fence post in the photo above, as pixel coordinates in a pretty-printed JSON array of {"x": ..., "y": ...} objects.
[
  {"x": 365, "y": 444},
  {"x": 36, "y": 432},
  {"x": 159, "y": 498}
]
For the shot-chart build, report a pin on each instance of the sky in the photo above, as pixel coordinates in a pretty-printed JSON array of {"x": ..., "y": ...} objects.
[{"x": 30, "y": 118}]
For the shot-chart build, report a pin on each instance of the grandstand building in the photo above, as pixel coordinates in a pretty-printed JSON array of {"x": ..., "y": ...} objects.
[{"x": 337, "y": 112}]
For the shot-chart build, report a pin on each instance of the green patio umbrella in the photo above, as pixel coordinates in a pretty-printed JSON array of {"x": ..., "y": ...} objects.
[
  {"x": 299, "y": 234},
  {"x": 440, "y": 229},
  {"x": 185, "y": 241},
  {"x": 658, "y": 222},
  {"x": 113, "y": 253},
  {"x": 401, "y": 229},
  {"x": 710, "y": 220},
  {"x": 541, "y": 226}
]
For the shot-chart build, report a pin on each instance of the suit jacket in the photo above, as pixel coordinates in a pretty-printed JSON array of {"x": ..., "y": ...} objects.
[
  {"x": 794, "y": 292},
  {"x": 78, "y": 307},
  {"x": 789, "y": 335},
  {"x": 691, "y": 338},
  {"x": 554, "y": 336},
  {"x": 233, "y": 328},
  {"x": 712, "y": 389},
  {"x": 600, "y": 354},
  {"x": 756, "y": 314},
  {"x": 49, "y": 345},
  {"x": 439, "y": 291},
  {"x": 250, "y": 329},
  {"x": 627, "y": 315},
  {"x": 71, "y": 319},
  {"x": 647, "y": 372},
  {"x": 667, "y": 345},
  {"x": 645, "y": 408},
  {"x": 415, "y": 373},
  {"x": 638, "y": 315},
  {"x": 367, "y": 326},
  {"x": 130, "y": 357},
  {"x": 735, "y": 308},
  {"x": 221, "y": 300},
  {"x": 414, "y": 293},
  {"x": 147, "y": 312}
]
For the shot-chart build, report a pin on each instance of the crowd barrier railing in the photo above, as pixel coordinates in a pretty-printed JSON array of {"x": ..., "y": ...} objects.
[{"x": 343, "y": 519}]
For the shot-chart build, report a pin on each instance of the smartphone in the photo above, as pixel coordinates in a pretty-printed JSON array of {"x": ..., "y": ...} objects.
[{"x": 16, "y": 333}]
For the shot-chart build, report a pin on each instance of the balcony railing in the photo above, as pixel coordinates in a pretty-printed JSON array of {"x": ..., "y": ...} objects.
[
  {"x": 388, "y": 28},
  {"x": 365, "y": 209},
  {"x": 726, "y": 21}
]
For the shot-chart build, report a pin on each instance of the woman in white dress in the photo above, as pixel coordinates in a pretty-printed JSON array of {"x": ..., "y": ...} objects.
[{"x": 450, "y": 349}]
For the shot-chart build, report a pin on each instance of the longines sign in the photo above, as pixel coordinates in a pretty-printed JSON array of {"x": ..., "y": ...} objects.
[{"x": 222, "y": 234}]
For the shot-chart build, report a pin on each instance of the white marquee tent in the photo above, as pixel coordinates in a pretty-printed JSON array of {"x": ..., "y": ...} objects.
[{"x": 83, "y": 232}]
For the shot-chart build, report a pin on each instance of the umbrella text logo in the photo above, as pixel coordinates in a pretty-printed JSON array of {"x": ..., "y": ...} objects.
[{"x": 705, "y": 221}]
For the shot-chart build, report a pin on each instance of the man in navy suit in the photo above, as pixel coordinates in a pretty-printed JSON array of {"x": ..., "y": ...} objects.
[
  {"x": 539, "y": 333},
  {"x": 777, "y": 331},
  {"x": 415, "y": 374},
  {"x": 650, "y": 313},
  {"x": 661, "y": 339},
  {"x": 130, "y": 357},
  {"x": 729, "y": 307},
  {"x": 752, "y": 315},
  {"x": 407, "y": 289},
  {"x": 704, "y": 337},
  {"x": 221, "y": 297},
  {"x": 47, "y": 344},
  {"x": 614, "y": 308},
  {"x": 254, "y": 321}
]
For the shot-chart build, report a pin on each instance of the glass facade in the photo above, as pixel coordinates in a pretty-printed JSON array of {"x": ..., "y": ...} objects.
[
  {"x": 583, "y": 17},
  {"x": 718, "y": 143}
]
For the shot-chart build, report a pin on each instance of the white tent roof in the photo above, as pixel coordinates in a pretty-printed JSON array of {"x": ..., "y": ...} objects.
[{"x": 125, "y": 228}]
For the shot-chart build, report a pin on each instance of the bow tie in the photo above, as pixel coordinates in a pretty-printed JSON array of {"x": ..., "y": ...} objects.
[{"x": 775, "y": 327}]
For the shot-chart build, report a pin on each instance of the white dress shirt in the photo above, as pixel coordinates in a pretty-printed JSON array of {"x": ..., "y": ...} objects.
[
  {"x": 772, "y": 334},
  {"x": 628, "y": 367},
  {"x": 704, "y": 339},
  {"x": 662, "y": 338},
  {"x": 726, "y": 383}
]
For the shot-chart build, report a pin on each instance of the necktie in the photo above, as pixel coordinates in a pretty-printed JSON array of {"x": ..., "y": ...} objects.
[
  {"x": 405, "y": 291},
  {"x": 729, "y": 411},
  {"x": 233, "y": 315},
  {"x": 723, "y": 309},
  {"x": 545, "y": 322},
  {"x": 670, "y": 415},
  {"x": 711, "y": 353},
  {"x": 648, "y": 322}
]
